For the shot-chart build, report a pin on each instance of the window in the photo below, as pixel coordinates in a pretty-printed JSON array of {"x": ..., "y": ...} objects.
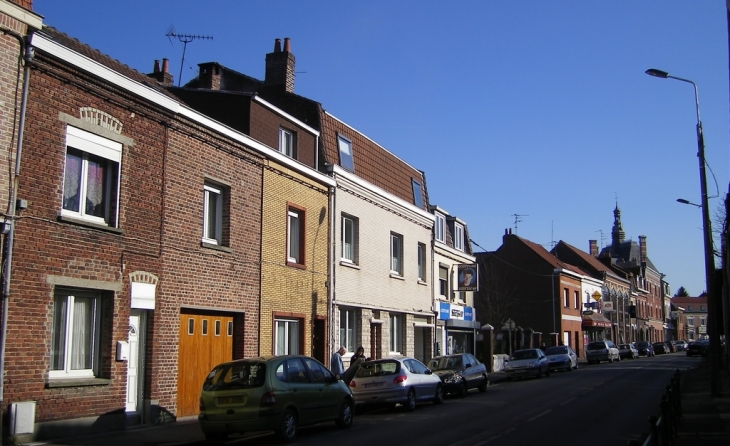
[
  {"x": 396, "y": 253},
  {"x": 690, "y": 321},
  {"x": 213, "y": 212},
  {"x": 417, "y": 198},
  {"x": 444, "y": 282},
  {"x": 566, "y": 301},
  {"x": 91, "y": 177},
  {"x": 702, "y": 308},
  {"x": 349, "y": 238},
  {"x": 348, "y": 329},
  {"x": 421, "y": 262},
  {"x": 576, "y": 300},
  {"x": 286, "y": 340},
  {"x": 395, "y": 333},
  {"x": 703, "y": 321},
  {"x": 75, "y": 334},
  {"x": 286, "y": 143},
  {"x": 458, "y": 237},
  {"x": 345, "y": 153},
  {"x": 439, "y": 228},
  {"x": 295, "y": 236}
]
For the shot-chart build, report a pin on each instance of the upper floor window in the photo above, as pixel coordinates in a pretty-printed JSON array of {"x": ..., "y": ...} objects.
[
  {"x": 576, "y": 300},
  {"x": 396, "y": 253},
  {"x": 458, "y": 237},
  {"x": 444, "y": 282},
  {"x": 345, "y": 147},
  {"x": 349, "y": 238},
  {"x": 286, "y": 142},
  {"x": 439, "y": 226},
  {"x": 213, "y": 214},
  {"x": 91, "y": 177},
  {"x": 690, "y": 321},
  {"x": 566, "y": 299},
  {"x": 417, "y": 198},
  {"x": 295, "y": 235},
  {"x": 421, "y": 262},
  {"x": 702, "y": 308}
]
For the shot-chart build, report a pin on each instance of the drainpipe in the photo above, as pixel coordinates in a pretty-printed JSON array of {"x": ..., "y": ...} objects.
[
  {"x": 26, "y": 52},
  {"x": 331, "y": 316}
]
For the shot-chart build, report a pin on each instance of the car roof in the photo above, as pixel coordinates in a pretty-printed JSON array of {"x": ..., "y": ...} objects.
[{"x": 447, "y": 356}]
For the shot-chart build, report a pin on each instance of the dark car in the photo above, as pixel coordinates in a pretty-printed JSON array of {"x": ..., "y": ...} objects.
[
  {"x": 645, "y": 348},
  {"x": 459, "y": 373},
  {"x": 660, "y": 348},
  {"x": 698, "y": 348}
]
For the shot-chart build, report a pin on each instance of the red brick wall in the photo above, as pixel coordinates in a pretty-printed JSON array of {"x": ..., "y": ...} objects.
[{"x": 265, "y": 126}]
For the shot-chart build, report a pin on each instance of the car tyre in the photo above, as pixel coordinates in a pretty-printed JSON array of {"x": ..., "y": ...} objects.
[
  {"x": 439, "y": 397},
  {"x": 287, "y": 430},
  {"x": 462, "y": 390},
  {"x": 483, "y": 386},
  {"x": 410, "y": 404},
  {"x": 344, "y": 418},
  {"x": 215, "y": 438}
]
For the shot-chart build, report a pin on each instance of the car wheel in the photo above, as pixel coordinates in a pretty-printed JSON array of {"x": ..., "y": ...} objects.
[
  {"x": 215, "y": 437},
  {"x": 344, "y": 419},
  {"x": 439, "y": 397},
  {"x": 287, "y": 430},
  {"x": 462, "y": 390},
  {"x": 483, "y": 385},
  {"x": 410, "y": 404}
]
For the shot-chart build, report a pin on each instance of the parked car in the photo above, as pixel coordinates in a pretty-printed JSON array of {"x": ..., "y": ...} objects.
[
  {"x": 698, "y": 348},
  {"x": 399, "y": 380},
  {"x": 527, "y": 362},
  {"x": 628, "y": 351},
  {"x": 561, "y": 357},
  {"x": 598, "y": 351},
  {"x": 660, "y": 348},
  {"x": 645, "y": 348},
  {"x": 459, "y": 373},
  {"x": 278, "y": 393},
  {"x": 680, "y": 346}
]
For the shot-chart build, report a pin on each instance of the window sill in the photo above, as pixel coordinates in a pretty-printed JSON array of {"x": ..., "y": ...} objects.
[
  {"x": 88, "y": 224},
  {"x": 296, "y": 265},
  {"x": 215, "y": 247},
  {"x": 422, "y": 282},
  {"x": 396, "y": 276},
  {"x": 77, "y": 382},
  {"x": 349, "y": 264}
]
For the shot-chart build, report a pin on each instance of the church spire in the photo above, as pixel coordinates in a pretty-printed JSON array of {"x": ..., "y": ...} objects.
[{"x": 617, "y": 232}]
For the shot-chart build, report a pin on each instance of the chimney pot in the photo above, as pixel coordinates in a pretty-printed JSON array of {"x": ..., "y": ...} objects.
[
  {"x": 157, "y": 67},
  {"x": 287, "y": 45},
  {"x": 165, "y": 65},
  {"x": 277, "y": 45}
]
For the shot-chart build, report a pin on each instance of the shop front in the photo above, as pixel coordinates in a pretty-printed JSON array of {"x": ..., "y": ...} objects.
[{"x": 456, "y": 329}]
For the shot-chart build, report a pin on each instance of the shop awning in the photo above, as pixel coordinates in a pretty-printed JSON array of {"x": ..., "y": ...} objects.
[{"x": 595, "y": 320}]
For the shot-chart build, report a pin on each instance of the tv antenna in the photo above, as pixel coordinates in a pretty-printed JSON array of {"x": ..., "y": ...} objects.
[
  {"x": 518, "y": 219},
  {"x": 602, "y": 237},
  {"x": 185, "y": 39}
]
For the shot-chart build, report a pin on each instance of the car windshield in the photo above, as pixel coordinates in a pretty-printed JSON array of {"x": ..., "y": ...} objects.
[
  {"x": 557, "y": 350},
  {"x": 380, "y": 368},
  {"x": 236, "y": 375},
  {"x": 445, "y": 363},
  {"x": 524, "y": 354}
]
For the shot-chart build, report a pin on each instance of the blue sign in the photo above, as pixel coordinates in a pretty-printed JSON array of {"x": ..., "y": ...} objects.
[{"x": 450, "y": 311}]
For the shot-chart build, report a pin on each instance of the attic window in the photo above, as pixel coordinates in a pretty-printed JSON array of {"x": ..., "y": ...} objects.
[
  {"x": 417, "y": 199},
  {"x": 345, "y": 147}
]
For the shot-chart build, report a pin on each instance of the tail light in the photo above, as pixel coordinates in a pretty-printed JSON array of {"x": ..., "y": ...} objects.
[
  {"x": 352, "y": 383},
  {"x": 268, "y": 399},
  {"x": 201, "y": 404},
  {"x": 399, "y": 379}
]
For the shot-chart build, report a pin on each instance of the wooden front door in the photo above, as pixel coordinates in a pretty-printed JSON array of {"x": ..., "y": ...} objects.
[{"x": 206, "y": 340}]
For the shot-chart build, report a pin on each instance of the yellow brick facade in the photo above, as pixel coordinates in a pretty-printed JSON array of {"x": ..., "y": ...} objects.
[{"x": 293, "y": 292}]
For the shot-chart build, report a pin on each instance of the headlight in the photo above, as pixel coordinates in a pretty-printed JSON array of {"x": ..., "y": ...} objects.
[
  {"x": 452, "y": 379},
  {"x": 532, "y": 365}
]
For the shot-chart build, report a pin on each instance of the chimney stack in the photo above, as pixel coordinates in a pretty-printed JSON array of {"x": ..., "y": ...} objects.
[
  {"x": 161, "y": 74},
  {"x": 280, "y": 67},
  {"x": 209, "y": 76},
  {"x": 593, "y": 247}
]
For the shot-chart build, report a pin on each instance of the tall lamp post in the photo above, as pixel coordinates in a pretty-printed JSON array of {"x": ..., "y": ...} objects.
[{"x": 709, "y": 251}]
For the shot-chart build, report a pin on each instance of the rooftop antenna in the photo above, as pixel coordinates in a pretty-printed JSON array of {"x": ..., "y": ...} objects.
[
  {"x": 518, "y": 219},
  {"x": 185, "y": 39},
  {"x": 602, "y": 237}
]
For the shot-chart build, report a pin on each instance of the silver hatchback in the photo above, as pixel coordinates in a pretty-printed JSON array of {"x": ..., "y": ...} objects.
[{"x": 399, "y": 380}]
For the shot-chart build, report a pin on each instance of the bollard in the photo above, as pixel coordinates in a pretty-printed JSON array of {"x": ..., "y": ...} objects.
[{"x": 653, "y": 431}]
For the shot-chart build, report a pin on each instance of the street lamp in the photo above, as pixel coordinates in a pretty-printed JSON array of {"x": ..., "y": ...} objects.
[
  {"x": 707, "y": 231},
  {"x": 683, "y": 201}
]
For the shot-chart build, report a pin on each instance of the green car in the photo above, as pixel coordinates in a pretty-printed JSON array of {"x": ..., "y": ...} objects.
[{"x": 276, "y": 393}]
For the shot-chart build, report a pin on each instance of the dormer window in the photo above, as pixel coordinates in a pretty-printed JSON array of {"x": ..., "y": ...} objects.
[
  {"x": 439, "y": 226},
  {"x": 417, "y": 199},
  {"x": 345, "y": 146},
  {"x": 286, "y": 143},
  {"x": 458, "y": 237}
]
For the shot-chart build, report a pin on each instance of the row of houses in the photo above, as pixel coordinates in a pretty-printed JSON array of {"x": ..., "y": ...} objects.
[{"x": 152, "y": 231}]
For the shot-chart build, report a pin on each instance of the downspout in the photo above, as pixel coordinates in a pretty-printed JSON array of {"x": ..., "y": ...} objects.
[
  {"x": 331, "y": 283},
  {"x": 26, "y": 52}
]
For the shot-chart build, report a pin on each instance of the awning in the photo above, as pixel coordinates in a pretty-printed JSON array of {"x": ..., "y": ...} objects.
[{"x": 595, "y": 320}]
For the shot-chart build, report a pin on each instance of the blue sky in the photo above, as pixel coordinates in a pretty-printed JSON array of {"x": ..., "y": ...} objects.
[{"x": 531, "y": 108}]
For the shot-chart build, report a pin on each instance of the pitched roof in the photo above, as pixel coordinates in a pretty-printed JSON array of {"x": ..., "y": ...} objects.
[{"x": 571, "y": 253}]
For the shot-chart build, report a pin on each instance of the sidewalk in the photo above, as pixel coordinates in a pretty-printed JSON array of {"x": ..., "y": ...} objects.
[{"x": 705, "y": 419}]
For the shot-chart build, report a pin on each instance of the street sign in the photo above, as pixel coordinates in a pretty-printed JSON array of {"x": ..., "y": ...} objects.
[{"x": 596, "y": 295}]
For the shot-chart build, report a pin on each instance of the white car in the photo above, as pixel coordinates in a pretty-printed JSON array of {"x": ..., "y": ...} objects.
[
  {"x": 561, "y": 357},
  {"x": 530, "y": 362},
  {"x": 598, "y": 351}
]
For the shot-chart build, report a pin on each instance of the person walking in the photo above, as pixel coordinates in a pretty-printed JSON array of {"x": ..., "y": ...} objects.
[
  {"x": 359, "y": 356},
  {"x": 336, "y": 361}
]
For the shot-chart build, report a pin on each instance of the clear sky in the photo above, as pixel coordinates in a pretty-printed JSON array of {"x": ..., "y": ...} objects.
[{"x": 532, "y": 115}]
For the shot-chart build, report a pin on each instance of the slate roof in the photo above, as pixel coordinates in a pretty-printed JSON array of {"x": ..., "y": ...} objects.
[
  {"x": 570, "y": 253},
  {"x": 627, "y": 255}
]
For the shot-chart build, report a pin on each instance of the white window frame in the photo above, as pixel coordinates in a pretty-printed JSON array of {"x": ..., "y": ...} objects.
[
  {"x": 294, "y": 235},
  {"x": 344, "y": 146},
  {"x": 291, "y": 332},
  {"x": 444, "y": 290},
  {"x": 212, "y": 214},
  {"x": 566, "y": 298},
  {"x": 89, "y": 144},
  {"x": 286, "y": 142},
  {"x": 690, "y": 321},
  {"x": 396, "y": 253},
  {"x": 458, "y": 236},
  {"x": 348, "y": 328},
  {"x": 70, "y": 326},
  {"x": 422, "y": 262},
  {"x": 439, "y": 225},
  {"x": 395, "y": 338},
  {"x": 417, "y": 197},
  {"x": 576, "y": 300},
  {"x": 349, "y": 239}
]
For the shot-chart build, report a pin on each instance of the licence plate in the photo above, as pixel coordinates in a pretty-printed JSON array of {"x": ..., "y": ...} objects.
[
  {"x": 231, "y": 399},
  {"x": 370, "y": 385}
]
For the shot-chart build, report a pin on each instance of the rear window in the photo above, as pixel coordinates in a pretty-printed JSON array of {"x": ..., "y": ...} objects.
[
  {"x": 557, "y": 351},
  {"x": 597, "y": 346},
  {"x": 238, "y": 375},
  {"x": 378, "y": 369}
]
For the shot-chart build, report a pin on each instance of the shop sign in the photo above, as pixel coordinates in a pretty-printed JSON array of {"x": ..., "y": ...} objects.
[{"x": 458, "y": 312}]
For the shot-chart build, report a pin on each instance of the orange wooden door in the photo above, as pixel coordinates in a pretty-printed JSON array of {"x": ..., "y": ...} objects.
[{"x": 206, "y": 340}]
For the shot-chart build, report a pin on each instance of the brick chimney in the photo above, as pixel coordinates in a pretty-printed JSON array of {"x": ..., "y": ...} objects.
[
  {"x": 593, "y": 247},
  {"x": 642, "y": 248},
  {"x": 162, "y": 75},
  {"x": 209, "y": 76},
  {"x": 280, "y": 67}
]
